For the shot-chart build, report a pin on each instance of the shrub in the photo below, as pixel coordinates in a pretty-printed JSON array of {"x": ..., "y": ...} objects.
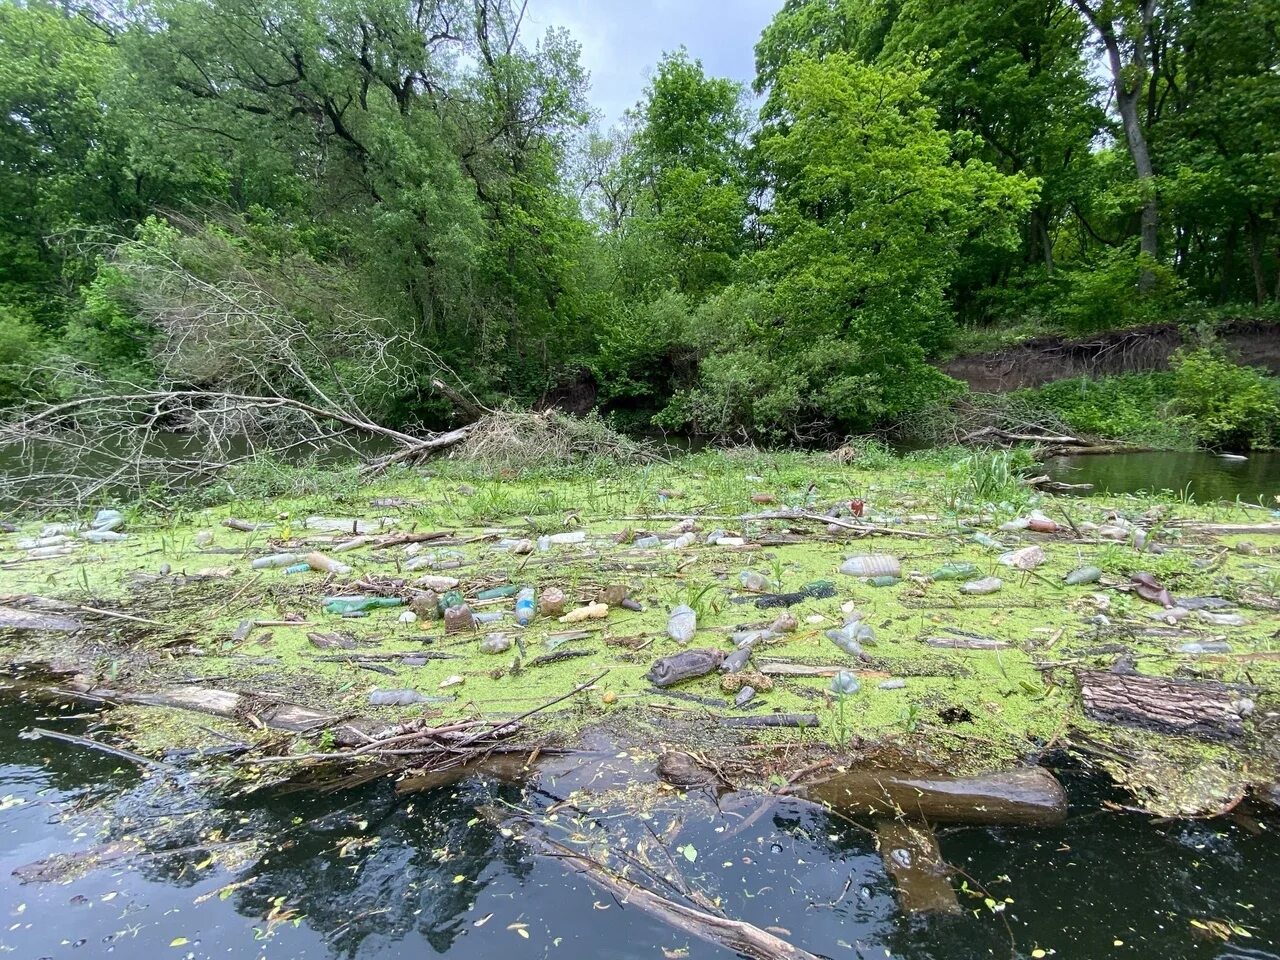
[
  {"x": 19, "y": 348},
  {"x": 1229, "y": 404}
]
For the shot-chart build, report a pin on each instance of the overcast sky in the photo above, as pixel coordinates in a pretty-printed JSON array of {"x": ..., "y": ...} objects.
[{"x": 621, "y": 40}]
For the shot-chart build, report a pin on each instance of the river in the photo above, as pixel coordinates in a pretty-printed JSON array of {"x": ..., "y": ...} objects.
[
  {"x": 368, "y": 873},
  {"x": 1202, "y": 476}
]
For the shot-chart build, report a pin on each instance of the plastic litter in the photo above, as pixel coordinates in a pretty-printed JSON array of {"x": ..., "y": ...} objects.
[
  {"x": 103, "y": 536},
  {"x": 395, "y": 698},
  {"x": 495, "y": 593},
  {"x": 1028, "y": 558},
  {"x": 982, "y": 587},
  {"x": 107, "y": 520},
  {"x": 408, "y": 617},
  {"x": 344, "y": 605},
  {"x": 592, "y": 611},
  {"x": 433, "y": 582},
  {"x": 955, "y": 571},
  {"x": 755, "y": 582},
  {"x": 458, "y": 619},
  {"x": 1083, "y": 575},
  {"x": 685, "y": 665},
  {"x": 682, "y": 541},
  {"x": 551, "y": 603},
  {"x": 524, "y": 606},
  {"x": 845, "y": 683},
  {"x": 851, "y": 636},
  {"x": 884, "y": 581},
  {"x": 1222, "y": 619},
  {"x": 784, "y": 623},
  {"x": 682, "y": 624},
  {"x": 302, "y": 567},
  {"x": 646, "y": 543},
  {"x": 745, "y": 696},
  {"x": 1211, "y": 646},
  {"x": 323, "y": 564},
  {"x": 546, "y": 542},
  {"x": 275, "y": 560},
  {"x": 737, "y": 660},
  {"x": 872, "y": 565},
  {"x": 894, "y": 684},
  {"x": 496, "y": 643},
  {"x": 489, "y": 616}
]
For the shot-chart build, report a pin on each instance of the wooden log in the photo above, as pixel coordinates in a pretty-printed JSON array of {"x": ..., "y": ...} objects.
[
  {"x": 737, "y": 936},
  {"x": 1199, "y": 708},
  {"x": 772, "y": 720},
  {"x": 911, "y": 855},
  {"x": 11, "y": 618},
  {"x": 1026, "y": 796}
]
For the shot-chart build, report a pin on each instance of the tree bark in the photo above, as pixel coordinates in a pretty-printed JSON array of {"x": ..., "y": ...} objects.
[{"x": 1200, "y": 709}]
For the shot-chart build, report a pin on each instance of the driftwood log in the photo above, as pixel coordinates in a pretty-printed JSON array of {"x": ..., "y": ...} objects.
[
  {"x": 1029, "y": 796},
  {"x": 738, "y": 936},
  {"x": 911, "y": 855},
  {"x": 1199, "y": 708}
]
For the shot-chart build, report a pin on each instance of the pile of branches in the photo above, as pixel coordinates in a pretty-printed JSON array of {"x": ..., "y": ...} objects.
[
  {"x": 517, "y": 440},
  {"x": 246, "y": 366}
]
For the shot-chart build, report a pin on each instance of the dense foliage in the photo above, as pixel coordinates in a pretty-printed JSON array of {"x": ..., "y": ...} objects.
[{"x": 428, "y": 174}]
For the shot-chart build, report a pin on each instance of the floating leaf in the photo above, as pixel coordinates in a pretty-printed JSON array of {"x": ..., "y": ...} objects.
[
  {"x": 179, "y": 942},
  {"x": 690, "y": 852}
]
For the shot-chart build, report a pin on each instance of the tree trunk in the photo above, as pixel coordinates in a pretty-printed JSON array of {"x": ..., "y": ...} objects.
[
  {"x": 1255, "y": 260},
  {"x": 1127, "y": 102}
]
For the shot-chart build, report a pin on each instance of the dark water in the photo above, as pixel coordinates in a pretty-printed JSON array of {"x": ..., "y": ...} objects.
[
  {"x": 367, "y": 873},
  {"x": 1204, "y": 476}
]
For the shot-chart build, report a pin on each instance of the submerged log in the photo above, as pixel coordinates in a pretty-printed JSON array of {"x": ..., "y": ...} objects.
[
  {"x": 1029, "y": 796},
  {"x": 11, "y": 618},
  {"x": 738, "y": 936},
  {"x": 1199, "y": 708},
  {"x": 911, "y": 855}
]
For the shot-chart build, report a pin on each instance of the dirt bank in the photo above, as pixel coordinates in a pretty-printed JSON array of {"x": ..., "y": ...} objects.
[{"x": 1139, "y": 349}]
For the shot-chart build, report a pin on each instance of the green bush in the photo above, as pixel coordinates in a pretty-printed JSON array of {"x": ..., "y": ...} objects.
[
  {"x": 1230, "y": 405},
  {"x": 1107, "y": 293},
  {"x": 1131, "y": 407}
]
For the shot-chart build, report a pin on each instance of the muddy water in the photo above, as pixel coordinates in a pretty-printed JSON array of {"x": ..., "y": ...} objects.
[
  {"x": 1204, "y": 476},
  {"x": 372, "y": 873}
]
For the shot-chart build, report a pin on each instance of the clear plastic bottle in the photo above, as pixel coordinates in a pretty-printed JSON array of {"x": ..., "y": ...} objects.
[
  {"x": 682, "y": 624},
  {"x": 524, "y": 606},
  {"x": 275, "y": 560}
]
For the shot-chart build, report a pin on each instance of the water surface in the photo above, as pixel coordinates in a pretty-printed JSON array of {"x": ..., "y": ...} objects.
[
  {"x": 1204, "y": 476},
  {"x": 370, "y": 873}
]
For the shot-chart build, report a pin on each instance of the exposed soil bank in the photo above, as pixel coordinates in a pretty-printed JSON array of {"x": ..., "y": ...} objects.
[{"x": 1136, "y": 350}]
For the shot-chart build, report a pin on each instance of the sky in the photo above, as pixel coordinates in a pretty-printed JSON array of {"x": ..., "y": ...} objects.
[{"x": 621, "y": 41}]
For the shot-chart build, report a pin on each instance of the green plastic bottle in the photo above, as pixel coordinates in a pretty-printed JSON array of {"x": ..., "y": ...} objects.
[
  {"x": 885, "y": 581},
  {"x": 955, "y": 571},
  {"x": 450, "y": 599},
  {"x": 497, "y": 593},
  {"x": 361, "y": 604}
]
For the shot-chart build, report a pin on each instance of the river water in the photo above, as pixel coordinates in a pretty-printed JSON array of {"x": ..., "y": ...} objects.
[
  {"x": 1202, "y": 476},
  {"x": 367, "y": 873}
]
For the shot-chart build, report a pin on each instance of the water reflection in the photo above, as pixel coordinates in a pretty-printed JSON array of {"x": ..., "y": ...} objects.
[{"x": 374, "y": 872}]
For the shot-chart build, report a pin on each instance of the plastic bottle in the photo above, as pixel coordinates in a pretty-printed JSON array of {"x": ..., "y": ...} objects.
[
  {"x": 551, "y": 603},
  {"x": 496, "y": 593},
  {"x": 955, "y": 571},
  {"x": 458, "y": 618},
  {"x": 715, "y": 535},
  {"x": 982, "y": 587},
  {"x": 844, "y": 683},
  {"x": 432, "y": 582},
  {"x": 851, "y": 636},
  {"x": 103, "y": 536},
  {"x": 346, "y": 605},
  {"x": 524, "y": 606},
  {"x": 1082, "y": 575},
  {"x": 490, "y": 616},
  {"x": 756, "y": 582},
  {"x": 39, "y": 543},
  {"x": 107, "y": 520},
  {"x": 872, "y": 565},
  {"x": 884, "y": 581},
  {"x": 293, "y": 568},
  {"x": 275, "y": 560},
  {"x": 682, "y": 541},
  {"x": 451, "y": 598},
  {"x": 735, "y": 661},
  {"x": 319, "y": 562},
  {"x": 646, "y": 543},
  {"x": 682, "y": 624},
  {"x": 48, "y": 553}
]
